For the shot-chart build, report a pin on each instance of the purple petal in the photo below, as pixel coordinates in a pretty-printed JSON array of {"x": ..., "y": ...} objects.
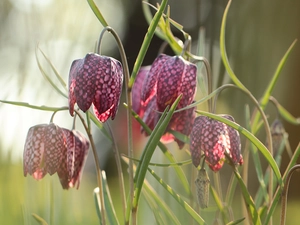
[
  {"x": 195, "y": 139},
  {"x": 138, "y": 87},
  {"x": 85, "y": 81},
  {"x": 169, "y": 82},
  {"x": 149, "y": 86},
  {"x": 108, "y": 88}
]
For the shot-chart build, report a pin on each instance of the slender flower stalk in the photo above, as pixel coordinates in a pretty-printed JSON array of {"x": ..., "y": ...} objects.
[{"x": 129, "y": 103}]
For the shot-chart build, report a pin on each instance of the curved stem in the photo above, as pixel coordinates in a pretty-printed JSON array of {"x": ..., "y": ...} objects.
[
  {"x": 285, "y": 192},
  {"x": 119, "y": 167},
  {"x": 129, "y": 103},
  {"x": 97, "y": 164},
  {"x": 209, "y": 76}
]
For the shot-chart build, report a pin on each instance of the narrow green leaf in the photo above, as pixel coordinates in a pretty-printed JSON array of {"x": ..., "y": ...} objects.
[
  {"x": 146, "y": 42},
  {"x": 252, "y": 138},
  {"x": 98, "y": 204},
  {"x": 182, "y": 163},
  {"x": 39, "y": 219},
  {"x": 42, "y": 107},
  {"x": 277, "y": 194},
  {"x": 109, "y": 208},
  {"x": 248, "y": 199},
  {"x": 177, "y": 197},
  {"x": 60, "y": 79},
  {"x": 149, "y": 149},
  {"x": 287, "y": 116},
  {"x": 181, "y": 175},
  {"x": 97, "y": 12},
  {"x": 48, "y": 78},
  {"x": 269, "y": 90},
  {"x": 236, "y": 221},
  {"x": 223, "y": 50}
]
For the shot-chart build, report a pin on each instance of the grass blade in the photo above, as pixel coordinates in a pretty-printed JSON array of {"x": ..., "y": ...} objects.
[
  {"x": 177, "y": 197},
  {"x": 149, "y": 150},
  {"x": 223, "y": 50},
  {"x": 97, "y": 12}
]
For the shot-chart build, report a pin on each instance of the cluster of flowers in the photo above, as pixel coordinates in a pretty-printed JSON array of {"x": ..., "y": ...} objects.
[
  {"x": 98, "y": 80},
  {"x": 158, "y": 86}
]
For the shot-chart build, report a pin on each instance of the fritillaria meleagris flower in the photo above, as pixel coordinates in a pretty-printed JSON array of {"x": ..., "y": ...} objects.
[
  {"x": 73, "y": 160},
  {"x": 214, "y": 139},
  {"x": 43, "y": 151},
  {"x": 167, "y": 78},
  {"x": 277, "y": 132},
  {"x": 50, "y": 149},
  {"x": 96, "y": 80}
]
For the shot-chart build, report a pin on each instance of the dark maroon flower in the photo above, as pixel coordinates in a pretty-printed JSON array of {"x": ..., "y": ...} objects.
[
  {"x": 73, "y": 160},
  {"x": 96, "y": 79},
  {"x": 50, "y": 149},
  {"x": 168, "y": 78},
  {"x": 43, "y": 151},
  {"x": 215, "y": 139},
  {"x": 137, "y": 89}
]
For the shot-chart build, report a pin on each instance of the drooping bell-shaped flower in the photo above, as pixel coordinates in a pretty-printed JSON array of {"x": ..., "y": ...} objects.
[
  {"x": 73, "y": 160},
  {"x": 167, "y": 78},
  {"x": 50, "y": 149},
  {"x": 43, "y": 151},
  {"x": 96, "y": 80},
  {"x": 214, "y": 139}
]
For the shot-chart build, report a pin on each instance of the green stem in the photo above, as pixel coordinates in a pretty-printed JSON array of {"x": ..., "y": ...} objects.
[
  {"x": 120, "y": 172},
  {"x": 285, "y": 192},
  {"x": 129, "y": 103},
  {"x": 97, "y": 164},
  {"x": 146, "y": 42}
]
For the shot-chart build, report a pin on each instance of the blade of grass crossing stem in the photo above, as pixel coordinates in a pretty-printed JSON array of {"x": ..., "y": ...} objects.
[
  {"x": 177, "y": 197},
  {"x": 248, "y": 199},
  {"x": 146, "y": 42},
  {"x": 60, "y": 79},
  {"x": 277, "y": 195},
  {"x": 182, "y": 163},
  {"x": 97, "y": 12},
  {"x": 181, "y": 175},
  {"x": 149, "y": 150},
  {"x": 258, "y": 168},
  {"x": 265, "y": 152},
  {"x": 223, "y": 50}
]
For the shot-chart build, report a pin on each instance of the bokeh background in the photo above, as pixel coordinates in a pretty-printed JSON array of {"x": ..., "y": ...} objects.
[{"x": 258, "y": 34}]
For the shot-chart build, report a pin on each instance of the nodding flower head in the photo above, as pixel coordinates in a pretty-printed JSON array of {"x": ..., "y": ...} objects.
[
  {"x": 74, "y": 158},
  {"x": 96, "y": 79},
  {"x": 166, "y": 79},
  {"x": 50, "y": 149},
  {"x": 214, "y": 139}
]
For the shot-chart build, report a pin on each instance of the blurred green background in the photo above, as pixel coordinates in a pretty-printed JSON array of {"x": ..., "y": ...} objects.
[{"x": 258, "y": 34}]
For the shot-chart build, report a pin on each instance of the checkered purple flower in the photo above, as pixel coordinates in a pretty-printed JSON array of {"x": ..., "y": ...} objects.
[
  {"x": 164, "y": 81},
  {"x": 50, "y": 149},
  {"x": 214, "y": 139},
  {"x": 96, "y": 80}
]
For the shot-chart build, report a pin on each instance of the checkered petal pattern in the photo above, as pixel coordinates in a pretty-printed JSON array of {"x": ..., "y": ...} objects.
[
  {"x": 214, "y": 139},
  {"x": 96, "y": 80},
  {"x": 50, "y": 149},
  {"x": 166, "y": 79}
]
